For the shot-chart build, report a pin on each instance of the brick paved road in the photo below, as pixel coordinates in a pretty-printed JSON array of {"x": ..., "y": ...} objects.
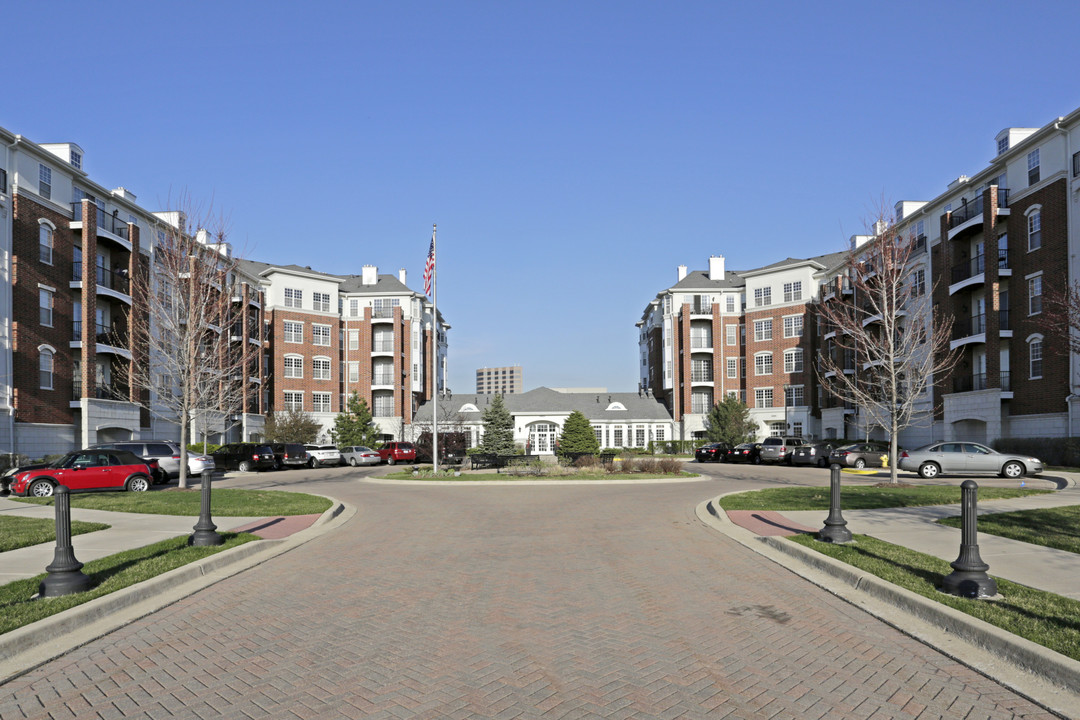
[{"x": 511, "y": 602}]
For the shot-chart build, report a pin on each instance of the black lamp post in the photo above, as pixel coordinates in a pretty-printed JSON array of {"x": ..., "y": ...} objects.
[
  {"x": 969, "y": 578},
  {"x": 205, "y": 530},
  {"x": 835, "y": 530},
  {"x": 65, "y": 572}
]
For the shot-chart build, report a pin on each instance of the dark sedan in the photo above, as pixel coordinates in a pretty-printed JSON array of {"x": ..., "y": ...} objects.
[
  {"x": 713, "y": 452},
  {"x": 812, "y": 454},
  {"x": 745, "y": 453},
  {"x": 861, "y": 455}
]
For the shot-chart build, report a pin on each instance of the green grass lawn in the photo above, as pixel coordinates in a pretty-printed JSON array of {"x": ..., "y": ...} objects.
[
  {"x": 1047, "y": 619},
  {"x": 861, "y": 497},
  {"x": 1053, "y": 527},
  {"x": 224, "y": 502},
  {"x": 17, "y": 532},
  {"x": 109, "y": 575}
]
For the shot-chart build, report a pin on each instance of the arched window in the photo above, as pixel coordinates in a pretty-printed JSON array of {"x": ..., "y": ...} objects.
[
  {"x": 45, "y": 366},
  {"x": 763, "y": 364},
  {"x": 321, "y": 368},
  {"x": 45, "y": 241},
  {"x": 1034, "y": 225},
  {"x": 1035, "y": 356},
  {"x": 294, "y": 366},
  {"x": 469, "y": 407}
]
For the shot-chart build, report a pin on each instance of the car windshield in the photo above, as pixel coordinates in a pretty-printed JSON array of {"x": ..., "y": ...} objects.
[{"x": 61, "y": 462}]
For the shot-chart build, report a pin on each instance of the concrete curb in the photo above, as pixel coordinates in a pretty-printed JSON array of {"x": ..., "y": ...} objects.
[
  {"x": 26, "y": 648},
  {"x": 1042, "y": 675}
]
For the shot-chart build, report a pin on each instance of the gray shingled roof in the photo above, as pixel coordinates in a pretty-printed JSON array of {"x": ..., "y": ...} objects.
[
  {"x": 699, "y": 280},
  {"x": 639, "y": 408},
  {"x": 349, "y": 283}
]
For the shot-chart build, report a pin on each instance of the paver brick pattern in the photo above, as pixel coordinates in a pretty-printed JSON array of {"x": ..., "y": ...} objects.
[{"x": 511, "y": 602}]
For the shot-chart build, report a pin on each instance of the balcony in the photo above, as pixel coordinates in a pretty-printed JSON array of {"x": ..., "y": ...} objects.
[
  {"x": 698, "y": 307},
  {"x": 968, "y": 327},
  {"x": 382, "y": 377},
  {"x": 382, "y": 313},
  {"x": 969, "y": 268},
  {"x": 383, "y": 346},
  {"x": 700, "y": 343},
  {"x": 100, "y": 391},
  {"x": 969, "y": 210},
  {"x": 103, "y": 334},
  {"x": 106, "y": 280},
  {"x": 978, "y": 381},
  {"x": 918, "y": 245},
  {"x": 109, "y": 226},
  {"x": 701, "y": 376}
]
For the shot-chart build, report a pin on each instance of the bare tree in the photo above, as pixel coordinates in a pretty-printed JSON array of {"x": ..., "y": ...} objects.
[
  {"x": 890, "y": 343},
  {"x": 1061, "y": 313},
  {"x": 190, "y": 370}
]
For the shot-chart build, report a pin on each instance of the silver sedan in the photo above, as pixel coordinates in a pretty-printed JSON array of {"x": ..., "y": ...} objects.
[
  {"x": 360, "y": 455},
  {"x": 948, "y": 458}
]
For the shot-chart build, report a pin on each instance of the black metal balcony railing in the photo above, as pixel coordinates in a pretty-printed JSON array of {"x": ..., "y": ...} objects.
[
  {"x": 111, "y": 223},
  {"x": 1003, "y": 197},
  {"x": 978, "y": 381},
  {"x": 104, "y": 277},
  {"x": 966, "y": 327},
  {"x": 1003, "y": 320},
  {"x": 114, "y": 391},
  {"x": 968, "y": 210},
  {"x": 700, "y": 308},
  {"x": 969, "y": 268},
  {"x": 1003, "y": 258},
  {"x": 701, "y": 376},
  {"x": 103, "y": 334}
]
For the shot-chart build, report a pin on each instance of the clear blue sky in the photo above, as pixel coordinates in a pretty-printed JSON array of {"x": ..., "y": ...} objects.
[{"x": 573, "y": 153}]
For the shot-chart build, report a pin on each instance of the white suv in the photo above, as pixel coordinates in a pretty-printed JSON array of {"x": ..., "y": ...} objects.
[{"x": 323, "y": 455}]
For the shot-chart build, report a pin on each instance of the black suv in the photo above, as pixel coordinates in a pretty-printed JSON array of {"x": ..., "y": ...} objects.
[
  {"x": 289, "y": 455},
  {"x": 713, "y": 452},
  {"x": 244, "y": 457}
]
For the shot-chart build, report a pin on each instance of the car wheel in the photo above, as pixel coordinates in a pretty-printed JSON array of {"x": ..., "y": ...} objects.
[
  {"x": 139, "y": 483},
  {"x": 929, "y": 470},
  {"x": 40, "y": 488},
  {"x": 352, "y": 461},
  {"x": 1012, "y": 469},
  {"x": 860, "y": 464},
  {"x": 756, "y": 460},
  {"x": 391, "y": 461},
  {"x": 278, "y": 465},
  {"x": 822, "y": 463},
  {"x": 311, "y": 462},
  {"x": 244, "y": 466},
  {"x": 790, "y": 460}
]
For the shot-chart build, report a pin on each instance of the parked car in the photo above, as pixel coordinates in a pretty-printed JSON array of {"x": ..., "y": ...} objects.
[
  {"x": 745, "y": 453},
  {"x": 244, "y": 457},
  {"x": 950, "y": 458},
  {"x": 712, "y": 452},
  {"x": 395, "y": 452},
  {"x": 87, "y": 469},
  {"x": 289, "y": 455},
  {"x": 360, "y": 455},
  {"x": 320, "y": 455},
  {"x": 779, "y": 449},
  {"x": 813, "y": 454},
  {"x": 167, "y": 455},
  {"x": 452, "y": 446},
  {"x": 861, "y": 455}
]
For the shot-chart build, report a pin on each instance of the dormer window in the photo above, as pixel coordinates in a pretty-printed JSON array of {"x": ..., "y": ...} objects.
[
  {"x": 76, "y": 159},
  {"x": 469, "y": 407},
  {"x": 616, "y": 407},
  {"x": 1003, "y": 144}
]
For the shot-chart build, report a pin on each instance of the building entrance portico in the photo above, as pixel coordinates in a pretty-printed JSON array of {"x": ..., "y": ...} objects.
[{"x": 542, "y": 437}]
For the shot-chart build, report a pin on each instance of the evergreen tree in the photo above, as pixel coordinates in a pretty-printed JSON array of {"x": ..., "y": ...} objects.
[
  {"x": 354, "y": 426},
  {"x": 729, "y": 421},
  {"x": 294, "y": 426},
  {"x": 498, "y": 429},
  {"x": 577, "y": 436}
]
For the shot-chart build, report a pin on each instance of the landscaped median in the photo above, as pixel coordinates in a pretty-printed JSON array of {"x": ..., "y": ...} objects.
[
  {"x": 628, "y": 468},
  {"x": 116, "y": 572},
  {"x": 1041, "y": 617}
]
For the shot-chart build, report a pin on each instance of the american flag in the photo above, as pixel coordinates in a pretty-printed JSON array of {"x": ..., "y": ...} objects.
[{"x": 429, "y": 267}]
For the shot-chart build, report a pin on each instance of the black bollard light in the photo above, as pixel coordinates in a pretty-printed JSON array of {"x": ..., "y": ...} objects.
[
  {"x": 205, "y": 534},
  {"x": 969, "y": 578},
  {"x": 65, "y": 573},
  {"x": 835, "y": 530}
]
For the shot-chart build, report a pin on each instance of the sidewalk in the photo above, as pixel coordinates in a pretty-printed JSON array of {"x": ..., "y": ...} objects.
[
  {"x": 127, "y": 531},
  {"x": 1055, "y": 571}
]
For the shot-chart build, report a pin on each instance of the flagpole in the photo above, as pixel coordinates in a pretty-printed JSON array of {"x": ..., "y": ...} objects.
[{"x": 434, "y": 357}]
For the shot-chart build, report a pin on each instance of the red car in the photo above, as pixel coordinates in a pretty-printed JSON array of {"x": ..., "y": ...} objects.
[
  {"x": 395, "y": 452},
  {"x": 85, "y": 470}
]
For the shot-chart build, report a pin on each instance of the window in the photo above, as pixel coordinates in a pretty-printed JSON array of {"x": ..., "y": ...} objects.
[
  {"x": 599, "y": 433},
  {"x": 616, "y": 437},
  {"x": 354, "y": 339},
  {"x": 294, "y": 400},
  {"x": 731, "y": 298},
  {"x": 731, "y": 333},
  {"x": 294, "y": 332},
  {"x": 294, "y": 298},
  {"x": 661, "y": 436},
  {"x": 1002, "y": 144},
  {"x": 321, "y": 301},
  {"x": 45, "y": 301},
  {"x": 763, "y": 397},
  {"x": 1033, "y": 166},
  {"x": 793, "y": 396},
  {"x": 796, "y": 429},
  {"x": 294, "y": 366},
  {"x": 383, "y": 405},
  {"x": 1035, "y": 363},
  {"x": 793, "y": 361},
  {"x": 918, "y": 283},
  {"x": 1034, "y": 229},
  {"x": 354, "y": 307},
  {"x": 793, "y": 291},
  {"x": 320, "y": 402},
  {"x": 732, "y": 368},
  {"x": 45, "y": 241},
  {"x": 45, "y": 182},
  {"x": 762, "y": 297},
  {"x": 701, "y": 370},
  {"x": 354, "y": 371},
  {"x": 639, "y": 437},
  {"x": 793, "y": 326},
  {"x": 321, "y": 368},
  {"x": 3, "y": 180},
  {"x": 763, "y": 330},
  {"x": 45, "y": 367},
  {"x": 320, "y": 335},
  {"x": 763, "y": 364},
  {"x": 1035, "y": 295}
]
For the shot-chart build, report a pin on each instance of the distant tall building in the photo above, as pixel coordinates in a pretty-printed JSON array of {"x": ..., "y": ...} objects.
[{"x": 499, "y": 381}]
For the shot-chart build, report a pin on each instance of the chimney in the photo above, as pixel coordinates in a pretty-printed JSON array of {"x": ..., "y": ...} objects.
[
  {"x": 682, "y": 272},
  {"x": 370, "y": 275},
  {"x": 401, "y": 276},
  {"x": 716, "y": 267}
]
